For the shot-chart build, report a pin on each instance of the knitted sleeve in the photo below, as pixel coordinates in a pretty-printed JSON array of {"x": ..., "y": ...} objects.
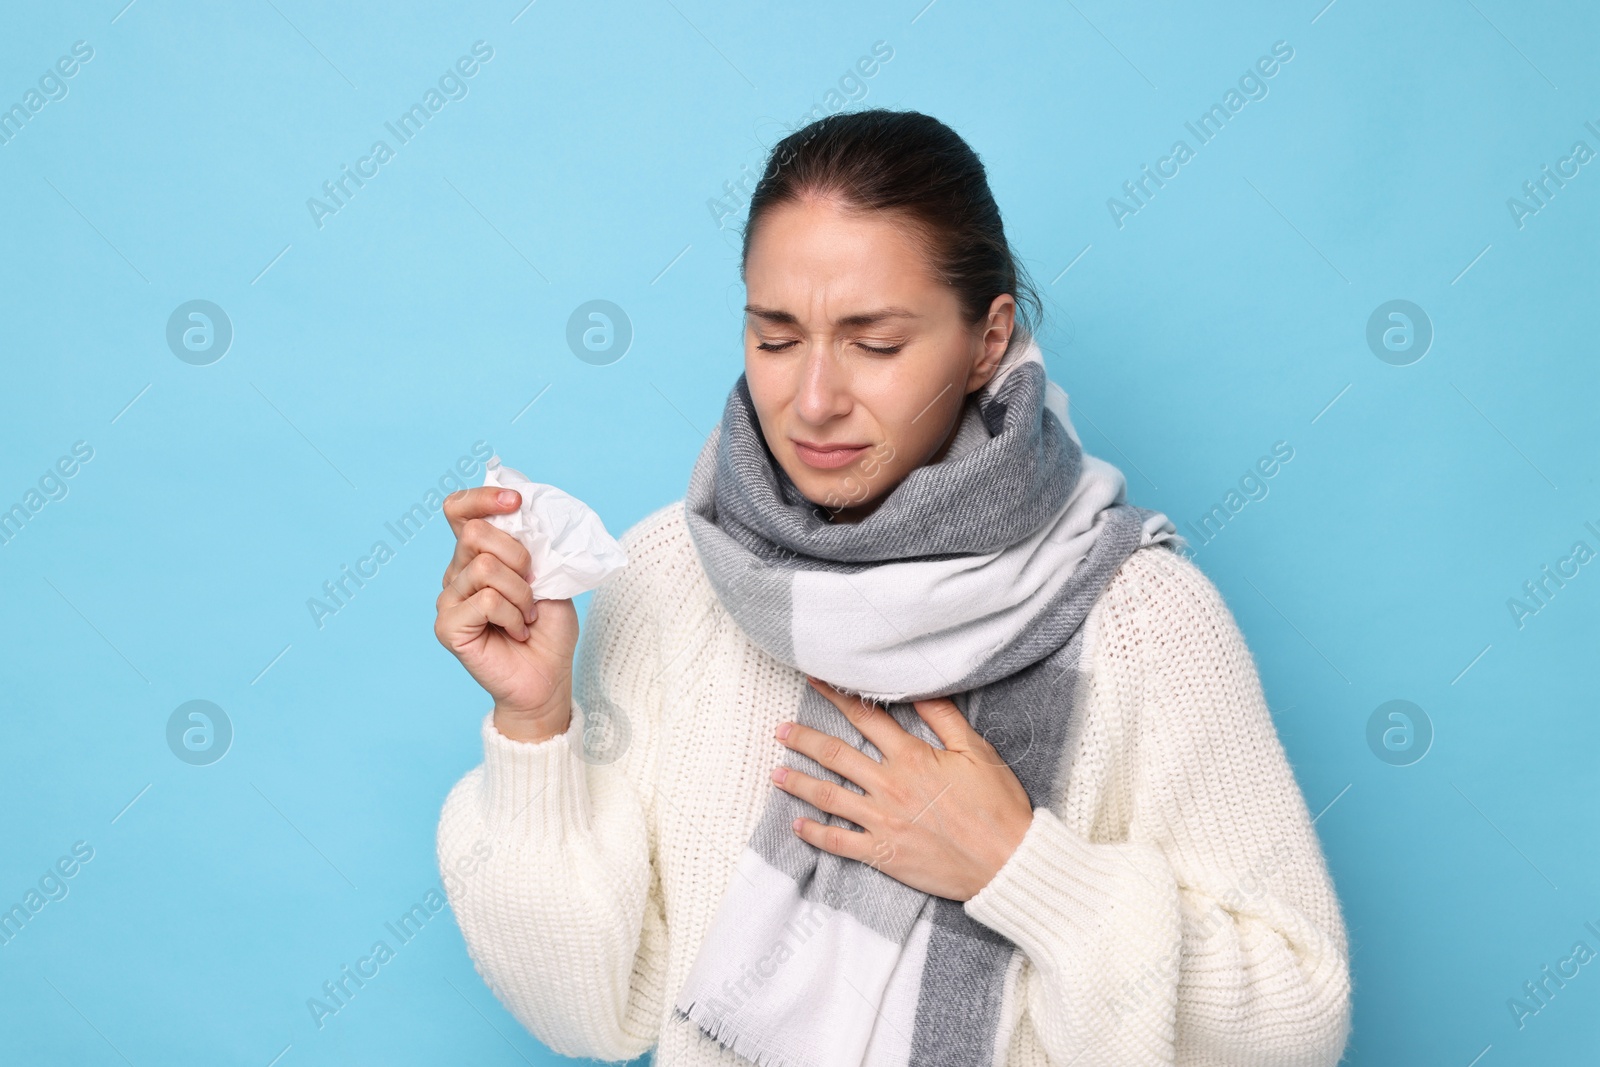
[
  {"x": 1189, "y": 918},
  {"x": 546, "y": 847}
]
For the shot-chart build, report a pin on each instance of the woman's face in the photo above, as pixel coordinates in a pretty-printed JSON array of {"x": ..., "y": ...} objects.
[{"x": 857, "y": 357}]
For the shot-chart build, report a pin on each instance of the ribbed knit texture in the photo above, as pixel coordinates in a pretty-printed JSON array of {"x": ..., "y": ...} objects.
[{"x": 1173, "y": 903}]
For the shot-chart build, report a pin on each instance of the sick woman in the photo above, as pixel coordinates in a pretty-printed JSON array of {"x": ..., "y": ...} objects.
[{"x": 904, "y": 738}]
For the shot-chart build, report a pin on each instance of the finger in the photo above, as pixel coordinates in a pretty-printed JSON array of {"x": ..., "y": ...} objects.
[
  {"x": 485, "y": 606},
  {"x": 466, "y": 618},
  {"x": 466, "y": 504},
  {"x": 487, "y": 571},
  {"x": 874, "y": 722},
  {"x": 478, "y": 536},
  {"x": 851, "y": 844},
  {"x": 823, "y": 795},
  {"x": 842, "y": 759},
  {"x": 948, "y": 724}
]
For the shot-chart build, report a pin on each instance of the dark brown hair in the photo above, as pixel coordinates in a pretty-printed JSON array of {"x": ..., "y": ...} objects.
[{"x": 913, "y": 165}]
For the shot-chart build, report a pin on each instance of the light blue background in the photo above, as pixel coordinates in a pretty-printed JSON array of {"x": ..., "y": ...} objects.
[{"x": 1225, "y": 316}]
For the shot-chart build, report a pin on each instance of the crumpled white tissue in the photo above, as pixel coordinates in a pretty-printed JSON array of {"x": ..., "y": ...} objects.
[{"x": 572, "y": 552}]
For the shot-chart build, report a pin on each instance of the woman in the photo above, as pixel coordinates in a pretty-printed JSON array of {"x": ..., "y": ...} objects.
[{"x": 1044, "y": 817}]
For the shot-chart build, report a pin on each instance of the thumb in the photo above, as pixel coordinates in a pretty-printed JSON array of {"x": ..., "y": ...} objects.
[{"x": 947, "y": 723}]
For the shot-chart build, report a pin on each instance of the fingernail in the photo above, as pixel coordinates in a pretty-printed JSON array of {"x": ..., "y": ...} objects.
[
  {"x": 507, "y": 497},
  {"x": 779, "y": 774},
  {"x": 783, "y": 730}
]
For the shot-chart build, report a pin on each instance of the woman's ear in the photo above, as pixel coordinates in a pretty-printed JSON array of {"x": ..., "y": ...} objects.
[{"x": 993, "y": 342}]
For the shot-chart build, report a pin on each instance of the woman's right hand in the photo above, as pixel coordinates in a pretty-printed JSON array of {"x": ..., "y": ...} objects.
[{"x": 518, "y": 649}]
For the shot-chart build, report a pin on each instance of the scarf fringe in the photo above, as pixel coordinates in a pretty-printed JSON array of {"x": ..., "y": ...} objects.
[{"x": 738, "y": 1044}]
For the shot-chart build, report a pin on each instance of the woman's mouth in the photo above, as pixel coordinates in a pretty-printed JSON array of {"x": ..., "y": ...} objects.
[{"x": 825, "y": 456}]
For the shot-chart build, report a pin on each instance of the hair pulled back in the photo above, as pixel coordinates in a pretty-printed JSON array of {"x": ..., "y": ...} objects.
[{"x": 912, "y": 165}]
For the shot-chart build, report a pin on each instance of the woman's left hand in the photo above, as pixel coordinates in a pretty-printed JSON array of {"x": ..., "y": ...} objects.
[{"x": 941, "y": 821}]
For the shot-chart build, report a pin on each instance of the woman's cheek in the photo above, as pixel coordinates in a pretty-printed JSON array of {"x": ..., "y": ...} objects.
[
  {"x": 877, "y": 458},
  {"x": 914, "y": 441}
]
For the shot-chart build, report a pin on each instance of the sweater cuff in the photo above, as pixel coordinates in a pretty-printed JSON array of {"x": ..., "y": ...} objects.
[
  {"x": 1058, "y": 893},
  {"x": 535, "y": 791}
]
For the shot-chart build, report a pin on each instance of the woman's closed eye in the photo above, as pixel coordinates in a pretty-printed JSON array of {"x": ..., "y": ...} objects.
[{"x": 781, "y": 346}]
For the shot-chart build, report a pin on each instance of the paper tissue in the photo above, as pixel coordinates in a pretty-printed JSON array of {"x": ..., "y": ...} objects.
[{"x": 572, "y": 552}]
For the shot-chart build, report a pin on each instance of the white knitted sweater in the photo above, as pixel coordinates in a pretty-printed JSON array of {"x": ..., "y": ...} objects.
[{"x": 1173, "y": 903}]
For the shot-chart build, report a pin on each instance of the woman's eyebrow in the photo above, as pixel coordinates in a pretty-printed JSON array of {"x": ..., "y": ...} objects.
[{"x": 863, "y": 318}]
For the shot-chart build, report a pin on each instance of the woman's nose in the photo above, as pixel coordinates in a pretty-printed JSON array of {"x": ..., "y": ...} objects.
[{"x": 824, "y": 386}]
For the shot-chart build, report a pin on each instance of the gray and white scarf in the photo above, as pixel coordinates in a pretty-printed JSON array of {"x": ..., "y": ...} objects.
[{"x": 970, "y": 580}]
